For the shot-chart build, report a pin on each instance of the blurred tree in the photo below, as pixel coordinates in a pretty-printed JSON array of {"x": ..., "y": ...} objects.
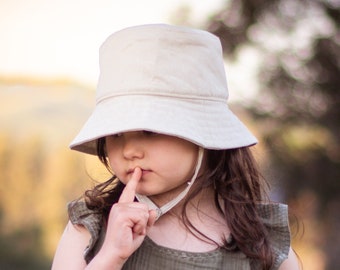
[
  {"x": 38, "y": 173},
  {"x": 298, "y": 106},
  {"x": 20, "y": 236},
  {"x": 65, "y": 179},
  {"x": 22, "y": 249}
]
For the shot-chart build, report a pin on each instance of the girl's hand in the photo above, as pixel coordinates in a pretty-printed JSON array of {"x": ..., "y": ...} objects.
[{"x": 127, "y": 225}]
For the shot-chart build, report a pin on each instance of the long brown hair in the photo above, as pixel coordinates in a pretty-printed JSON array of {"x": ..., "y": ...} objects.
[{"x": 238, "y": 188}]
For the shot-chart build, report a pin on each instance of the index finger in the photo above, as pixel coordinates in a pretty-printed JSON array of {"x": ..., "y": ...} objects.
[{"x": 129, "y": 192}]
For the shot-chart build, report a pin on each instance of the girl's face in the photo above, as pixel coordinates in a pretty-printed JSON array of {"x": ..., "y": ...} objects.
[{"x": 167, "y": 162}]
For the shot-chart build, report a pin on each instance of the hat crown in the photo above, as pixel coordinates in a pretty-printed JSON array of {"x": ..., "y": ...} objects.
[
  {"x": 162, "y": 60},
  {"x": 166, "y": 79}
]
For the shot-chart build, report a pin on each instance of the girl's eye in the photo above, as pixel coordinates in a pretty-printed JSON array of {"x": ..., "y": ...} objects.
[
  {"x": 117, "y": 135},
  {"x": 149, "y": 133},
  {"x": 143, "y": 133}
]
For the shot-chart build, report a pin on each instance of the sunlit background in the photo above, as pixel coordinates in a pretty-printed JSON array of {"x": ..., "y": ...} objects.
[
  {"x": 282, "y": 63},
  {"x": 61, "y": 38}
]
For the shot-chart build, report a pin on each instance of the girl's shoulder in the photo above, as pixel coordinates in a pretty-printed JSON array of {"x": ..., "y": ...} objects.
[
  {"x": 274, "y": 216},
  {"x": 92, "y": 220}
]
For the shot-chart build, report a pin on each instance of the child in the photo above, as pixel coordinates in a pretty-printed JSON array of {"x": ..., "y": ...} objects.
[{"x": 185, "y": 191}]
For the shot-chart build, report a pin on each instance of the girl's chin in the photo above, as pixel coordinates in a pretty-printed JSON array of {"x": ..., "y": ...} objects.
[
  {"x": 153, "y": 195},
  {"x": 144, "y": 192}
]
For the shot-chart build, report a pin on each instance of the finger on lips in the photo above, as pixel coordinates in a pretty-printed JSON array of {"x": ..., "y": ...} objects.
[
  {"x": 145, "y": 216},
  {"x": 129, "y": 192}
]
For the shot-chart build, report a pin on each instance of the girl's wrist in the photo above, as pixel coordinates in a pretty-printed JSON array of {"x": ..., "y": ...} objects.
[{"x": 101, "y": 262}]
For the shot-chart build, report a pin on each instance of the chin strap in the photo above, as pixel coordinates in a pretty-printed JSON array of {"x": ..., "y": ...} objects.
[{"x": 165, "y": 208}]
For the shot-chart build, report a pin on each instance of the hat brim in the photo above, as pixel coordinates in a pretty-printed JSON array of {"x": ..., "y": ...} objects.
[{"x": 207, "y": 123}]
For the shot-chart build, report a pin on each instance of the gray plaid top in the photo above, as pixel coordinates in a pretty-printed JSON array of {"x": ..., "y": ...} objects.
[{"x": 150, "y": 256}]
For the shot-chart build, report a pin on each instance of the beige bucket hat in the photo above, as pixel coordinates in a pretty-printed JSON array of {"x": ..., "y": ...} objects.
[{"x": 166, "y": 79}]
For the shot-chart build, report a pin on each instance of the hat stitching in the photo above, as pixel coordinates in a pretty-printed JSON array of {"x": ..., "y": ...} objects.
[{"x": 196, "y": 97}]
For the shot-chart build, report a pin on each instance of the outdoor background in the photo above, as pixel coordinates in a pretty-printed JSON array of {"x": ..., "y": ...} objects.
[{"x": 282, "y": 63}]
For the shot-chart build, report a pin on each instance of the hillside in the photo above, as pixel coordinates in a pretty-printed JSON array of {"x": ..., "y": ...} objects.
[{"x": 55, "y": 109}]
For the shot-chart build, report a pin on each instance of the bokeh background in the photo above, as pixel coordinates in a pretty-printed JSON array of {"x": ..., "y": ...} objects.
[{"x": 282, "y": 62}]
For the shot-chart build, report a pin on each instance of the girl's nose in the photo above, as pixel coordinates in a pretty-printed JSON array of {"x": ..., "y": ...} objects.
[{"x": 132, "y": 146}]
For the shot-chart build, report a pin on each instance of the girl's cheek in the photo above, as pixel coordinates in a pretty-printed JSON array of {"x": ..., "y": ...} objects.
[{"x": 123, "y": 181}]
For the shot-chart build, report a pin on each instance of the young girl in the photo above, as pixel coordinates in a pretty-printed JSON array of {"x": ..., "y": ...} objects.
[{"x": 185, "y": 191}]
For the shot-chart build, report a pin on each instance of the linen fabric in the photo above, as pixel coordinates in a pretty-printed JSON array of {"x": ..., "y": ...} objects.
[{"x": 150, "y": 256}]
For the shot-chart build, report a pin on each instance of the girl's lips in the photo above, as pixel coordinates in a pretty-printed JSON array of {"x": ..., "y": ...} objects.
[{"x": 144, "y": 171}]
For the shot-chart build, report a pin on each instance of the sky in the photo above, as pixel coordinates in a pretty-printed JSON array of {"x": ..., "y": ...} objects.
[{"x": 49, "y": 38}]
